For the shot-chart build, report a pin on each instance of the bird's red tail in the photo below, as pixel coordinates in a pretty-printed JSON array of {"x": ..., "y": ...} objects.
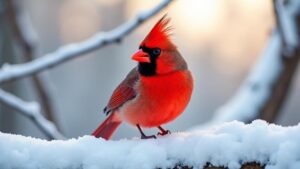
[{"x": 108, "y": 127}]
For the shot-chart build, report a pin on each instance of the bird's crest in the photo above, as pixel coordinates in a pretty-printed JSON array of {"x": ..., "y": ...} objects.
[{"x": 160, "y": 34}]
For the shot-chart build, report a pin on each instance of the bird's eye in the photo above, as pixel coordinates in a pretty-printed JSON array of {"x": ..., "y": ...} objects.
[{"x": 156, "y": 51}]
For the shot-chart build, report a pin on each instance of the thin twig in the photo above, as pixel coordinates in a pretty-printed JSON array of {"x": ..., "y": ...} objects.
[
  {"x": 32, "y": 111},
  {"x": 277, "y": 7},
  {"x": 287, "y": 27},
  {"x": 26, "y": 37},
  {"x": 72, "y": 51}
]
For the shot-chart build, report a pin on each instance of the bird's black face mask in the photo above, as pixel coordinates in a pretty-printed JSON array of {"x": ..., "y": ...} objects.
[{"x": 149, "y": 69}]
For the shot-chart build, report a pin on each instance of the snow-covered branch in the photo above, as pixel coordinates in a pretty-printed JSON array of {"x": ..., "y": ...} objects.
[
  {"x": 32, "y": 111},
  {"x": 74, "y": 50},
  {"x": 24, "y": 34},
  {"x": 21, "y": 26},
  {"x": 229, "y": 145},
  {"x": 264, "y": 91},
  {"x": 287, "y": 26},
  {"x": 252, "y": 95}
]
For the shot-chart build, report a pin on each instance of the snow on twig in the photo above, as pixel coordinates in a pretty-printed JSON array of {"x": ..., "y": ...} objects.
[
  {"x": 74, "y": 50},
  {"x": 287, "y": 26},
  {"x": 229, "y": 145},
  {"x": 22, "y": 26},
  {"x": 25, "y": 35},
  {"x": 248, "y": 102},
  {"x": 32, "y": 111}
]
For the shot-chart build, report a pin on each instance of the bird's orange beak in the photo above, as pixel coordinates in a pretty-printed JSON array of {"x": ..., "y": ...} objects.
[{"x": 141, "y": 57}]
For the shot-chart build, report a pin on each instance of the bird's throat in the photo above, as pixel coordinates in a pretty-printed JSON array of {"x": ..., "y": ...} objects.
[{"x": 147, "y": 69}]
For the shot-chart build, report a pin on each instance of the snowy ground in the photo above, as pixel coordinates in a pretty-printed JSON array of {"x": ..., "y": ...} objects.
[{"x": 229, "y": 144}]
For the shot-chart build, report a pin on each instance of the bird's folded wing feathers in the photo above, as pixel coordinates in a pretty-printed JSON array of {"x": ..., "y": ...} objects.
[{"x": 124, "y": 92}]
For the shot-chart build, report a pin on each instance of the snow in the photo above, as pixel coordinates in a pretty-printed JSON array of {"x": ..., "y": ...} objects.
[
  {"x": 31, "y": 110},
  {"x": 229, "y": 144}
]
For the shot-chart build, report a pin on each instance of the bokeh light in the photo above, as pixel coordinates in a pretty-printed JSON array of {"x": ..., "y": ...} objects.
[
  {"x": 78, "y": 20},
  {"x": 107, "y": 2},
  {"x": 198, "y": 19}
]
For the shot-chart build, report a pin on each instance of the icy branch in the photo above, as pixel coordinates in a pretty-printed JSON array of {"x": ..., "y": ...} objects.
[
  {"x": 32, "y": 111},
  {"x": 21, "y": 26},
  {"x": 229, "y": 145},
  {"x": 26, "y": 37},
  {"x": 252, "y": 95},
  {"x": 72, "y": 51},
  {"x": 287, "y": 26},
  {"x": 263, "y": 92}
]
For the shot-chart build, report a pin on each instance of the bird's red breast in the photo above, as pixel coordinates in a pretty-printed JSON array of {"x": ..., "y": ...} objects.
[{"x": 160, "y": 99}]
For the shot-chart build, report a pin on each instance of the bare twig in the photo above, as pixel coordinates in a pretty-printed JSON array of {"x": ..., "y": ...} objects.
[
  {"x": 32, "y": 111},
  {"x": 74, "y": 50},
  {"x": 27, "y": 38}
]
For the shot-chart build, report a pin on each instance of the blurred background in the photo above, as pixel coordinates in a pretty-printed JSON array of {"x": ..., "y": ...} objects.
[{"x": 220, "y": 40}]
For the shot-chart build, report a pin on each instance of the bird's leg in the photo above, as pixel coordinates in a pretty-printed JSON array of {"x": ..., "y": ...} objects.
[
  {"x": 163, "y": 131},
  {"x": 143, "y": 136}
]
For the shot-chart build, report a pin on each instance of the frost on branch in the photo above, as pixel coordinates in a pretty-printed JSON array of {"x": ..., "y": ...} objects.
[
  {"x": 264, "y": 91},
  {"x": 71, "y": 51},
  {"x": 231, "y": 145},
  {"x": 32, "y": 111}
]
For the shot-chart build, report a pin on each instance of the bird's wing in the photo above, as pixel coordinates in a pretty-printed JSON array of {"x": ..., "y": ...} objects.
[{"x": 124, "y": 92}]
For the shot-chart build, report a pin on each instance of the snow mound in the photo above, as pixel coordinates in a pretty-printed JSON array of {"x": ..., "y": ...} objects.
[{"x": 230, "y": 144}]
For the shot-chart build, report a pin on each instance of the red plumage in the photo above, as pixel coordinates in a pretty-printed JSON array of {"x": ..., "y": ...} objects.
[
  {"x": 156, "y": 91},
  {"x": 159, "y": 35},
  {"x": 108, "y": 127},
  {"x": 124, "y": 92}
]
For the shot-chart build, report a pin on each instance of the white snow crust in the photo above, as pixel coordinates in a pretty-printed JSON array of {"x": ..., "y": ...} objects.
[{"x": 229, "y": 144}]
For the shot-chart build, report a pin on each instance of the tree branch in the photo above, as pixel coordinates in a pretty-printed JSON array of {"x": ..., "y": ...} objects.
[
  {"x": 263, "y": 93},
  {"x": 32, "y": 111},
  {"x": 72, "y": 51},
  {"x": 27, "y": 38},
  {"x": 287, "y": 27},
  {"x": 289, "y": 61}
]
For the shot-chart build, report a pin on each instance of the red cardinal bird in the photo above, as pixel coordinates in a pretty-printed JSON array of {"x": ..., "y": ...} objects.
[{"x": 155, "y": 92}]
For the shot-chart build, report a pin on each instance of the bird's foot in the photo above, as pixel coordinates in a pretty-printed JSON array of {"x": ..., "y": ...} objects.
[
  {"x": 165, "y": 132},
  {"x": 148, "y": 137},
  {"x": 143, "y": 135}
]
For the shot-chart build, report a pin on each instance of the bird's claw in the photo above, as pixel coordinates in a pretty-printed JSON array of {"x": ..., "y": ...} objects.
[
  {"x": 162, "y": 133},
  {"x": 148, "y": 137}
]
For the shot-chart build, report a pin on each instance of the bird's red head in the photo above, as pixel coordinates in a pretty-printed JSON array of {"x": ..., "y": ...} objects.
[
  {"x": 159, "y": 36},
  {"x": 157, "y": 54}
]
